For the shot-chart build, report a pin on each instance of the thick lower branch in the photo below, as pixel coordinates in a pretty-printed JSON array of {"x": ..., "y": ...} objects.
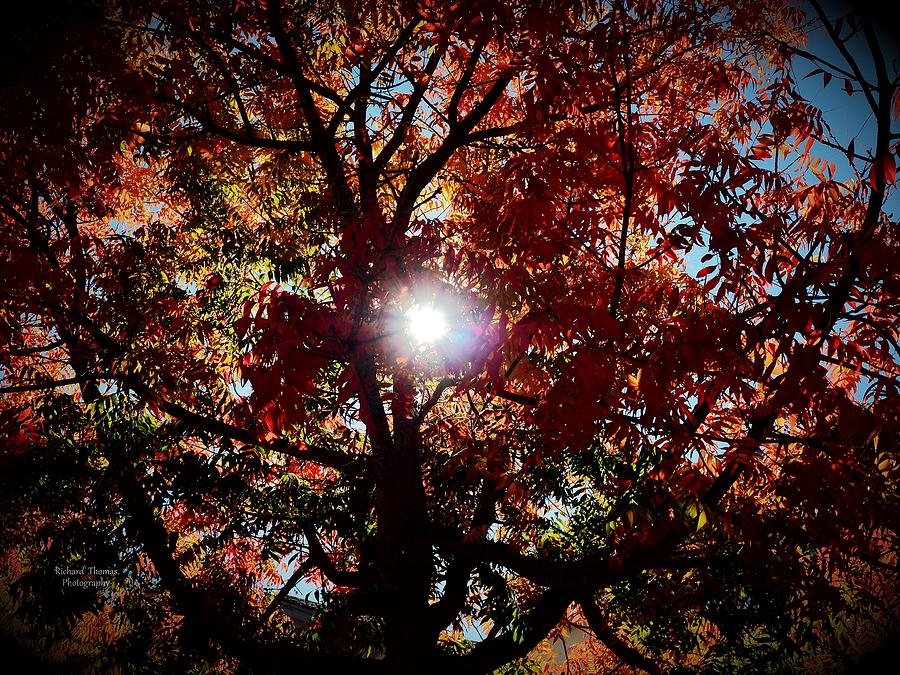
[
  {"x": 616, "y": 644},
  {"x": 545, "y": 613}
]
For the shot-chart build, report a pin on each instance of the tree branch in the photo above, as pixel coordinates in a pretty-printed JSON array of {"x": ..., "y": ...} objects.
[
  {"x": 320, "y": 558},
  {"x": 323, "y": 143},
  {"x": 616, "y": 644},
  {"x": 546, "y": 611},
  {"x": 247, "y": 138}
]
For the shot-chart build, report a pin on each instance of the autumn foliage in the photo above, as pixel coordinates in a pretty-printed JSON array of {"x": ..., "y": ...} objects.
[{"x": 663, "y": 415}]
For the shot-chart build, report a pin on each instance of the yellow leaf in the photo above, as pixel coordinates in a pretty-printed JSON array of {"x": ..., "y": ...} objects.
[{"x": 701, "y": 520}]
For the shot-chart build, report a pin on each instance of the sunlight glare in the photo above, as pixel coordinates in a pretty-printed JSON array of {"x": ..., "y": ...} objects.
[{"x": 426, "y": 324}]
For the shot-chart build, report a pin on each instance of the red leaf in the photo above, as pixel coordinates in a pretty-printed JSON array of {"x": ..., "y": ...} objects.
[
  {"x": 884, "y": 170},
  {"x": 889, "y": 169}
]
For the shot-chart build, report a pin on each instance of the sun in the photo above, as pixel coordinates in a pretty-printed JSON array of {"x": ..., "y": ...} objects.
[{"x": 426, "y": 324}]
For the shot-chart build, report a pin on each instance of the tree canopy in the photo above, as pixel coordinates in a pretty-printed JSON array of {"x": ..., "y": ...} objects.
[{"x": 486, "y": 321}]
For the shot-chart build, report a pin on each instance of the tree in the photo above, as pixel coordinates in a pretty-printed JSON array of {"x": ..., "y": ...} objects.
[{"x": 516, "y": 314}]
